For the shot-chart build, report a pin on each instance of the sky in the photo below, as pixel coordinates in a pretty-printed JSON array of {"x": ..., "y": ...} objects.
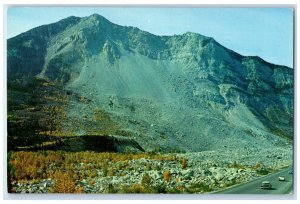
[{"x": 263, "y": 32}]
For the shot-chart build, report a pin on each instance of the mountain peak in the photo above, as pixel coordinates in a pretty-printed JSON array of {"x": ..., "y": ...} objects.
[
  {"x": 98, "y": 18},
  {"x": 195, "y": 35}
]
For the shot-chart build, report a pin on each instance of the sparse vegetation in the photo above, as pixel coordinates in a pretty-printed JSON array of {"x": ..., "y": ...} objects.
[
  {"x": 73, "y": 171},
  {"x": 32, "y": 165},
  {"x": 67, "y": 169}
]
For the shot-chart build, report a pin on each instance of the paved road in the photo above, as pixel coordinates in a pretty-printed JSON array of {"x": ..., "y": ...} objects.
[{"x": 253, "y": 187}]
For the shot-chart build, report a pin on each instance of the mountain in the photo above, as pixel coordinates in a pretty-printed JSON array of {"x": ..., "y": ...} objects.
[{"x": 181, "y": 92}]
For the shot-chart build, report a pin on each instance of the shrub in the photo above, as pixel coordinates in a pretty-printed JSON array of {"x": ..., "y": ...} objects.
[
  {"x": 258, "y": 165},
  {"x": 148, "y": 166},
  {"x": 173, "y": 191},
  {"x": 157, "y": 167},
  {"x": 135, "y": 188},
  {"x": 80, "y": 189},
  {"x": 263, "y": 171},
  {"x": 93, "y": 173},
  {"x": 75, "y": 177},
  {"x": 63, "y": 183},
  {"x": 111, "y": 189},
  {"x": 236, "y": 165},
  {"x": 104, "y": 168},
  {"x": 161, "y": 188},
  {"x": 111, "y": 171},
  {"x": 119, "y": 166},
  {"x": 146, "y": 180},
  {"x": 92, "y": 182},
  {"x": 167, "y": 175},
  {"x": 199, "y": 187},
  {"x": 183, "y": 163},
  {"x": 11, "y": 170}
]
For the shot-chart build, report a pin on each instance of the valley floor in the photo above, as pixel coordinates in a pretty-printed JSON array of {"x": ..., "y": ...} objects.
[{"x": 91, "y": 172}]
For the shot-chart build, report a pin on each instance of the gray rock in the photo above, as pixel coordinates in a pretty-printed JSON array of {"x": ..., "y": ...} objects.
[
  {"x": 173, "y": 171},
  {"x": 83, "y": 182},
  {"x": 155, "y": 174},
  {"x": 241, "y": 170},
  {"x": 219, "y": 176},
  {"x": 230, "y": 178}
]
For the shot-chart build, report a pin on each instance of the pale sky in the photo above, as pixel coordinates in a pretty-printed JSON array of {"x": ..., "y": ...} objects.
[{"x": 264, "y": 32}]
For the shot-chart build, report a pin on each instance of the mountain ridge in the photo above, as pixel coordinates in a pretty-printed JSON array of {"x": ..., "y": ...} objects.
[
  {"x": 171, "y": 81},
  {"x": 73, "y": 19}
]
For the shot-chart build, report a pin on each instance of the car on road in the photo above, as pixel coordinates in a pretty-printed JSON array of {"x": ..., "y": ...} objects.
[
  {"x": 281, "y": 178},
  {"x": 266, "y": 185}
]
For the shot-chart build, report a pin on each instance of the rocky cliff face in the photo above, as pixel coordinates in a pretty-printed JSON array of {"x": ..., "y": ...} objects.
[{"x": 183, "y": 92}]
